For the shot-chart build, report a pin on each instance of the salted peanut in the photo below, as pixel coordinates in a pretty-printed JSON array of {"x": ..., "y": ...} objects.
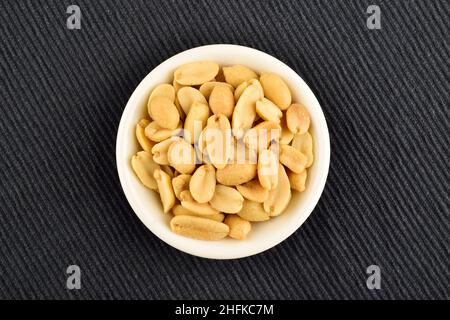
[
  {"x": 165, "y": 189},
  {"x": 180, "y": 183},
  {"x": 187, "y": 96},
  {"x": 298, "y": 180},
  {"x": 260, "y": 136},
  {"x": 292, "y": 158},
  {"x": 221, "y": 101},
  {"x": 144, "y": 142},
  {"x": 276, "y": 90},
  {"x": 226, "y": 199},
  {"x": 144, "y": 166},
  {"x": 199, "y": 228},
  {"x": 164, "y": 112},
  {"x": 239, "y": 89},
  {"x": 297, "y": 119},
  {"x": 279, "y": 197},
  {"x": 253, "y": 190},
  {"x": 203, "y": 183},
  {"x": 267, "y": 110},
  {"x": 208, "y": 87},
  {"x": 181, "y": 156},
  {"x": 156, "y": 133},
  {"x": 217, "y": 140},
  {"x": 268, "y": 169},
  {"x": 237, "y": 74},
  {"x": 286, "y": 134},
  {"x": 235, "y": 173},
  {"x": 239, "y": 228},
  {"x": 195, "y": 121},
  {"x": 253, "y": 211},
  {"x": 188, "y": 202},
  {"x": 179, "y": 210},
  {"x": 160, "y": 150},
  {"x": 304, "y": 144},
  {"x": 245, "y": 111},
  {"x": 196, "y": 73},
  {"x": 162, "y": 90}
]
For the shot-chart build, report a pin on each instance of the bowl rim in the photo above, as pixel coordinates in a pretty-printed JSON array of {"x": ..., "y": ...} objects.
[{"x": 123, "y": 176}]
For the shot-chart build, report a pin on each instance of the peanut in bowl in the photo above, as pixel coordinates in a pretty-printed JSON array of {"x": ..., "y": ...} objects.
[{"x": 232, "y": 186}]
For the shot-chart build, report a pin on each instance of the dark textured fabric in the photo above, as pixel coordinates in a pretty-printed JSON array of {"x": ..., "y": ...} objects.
[{"x": 385, "y": 94}]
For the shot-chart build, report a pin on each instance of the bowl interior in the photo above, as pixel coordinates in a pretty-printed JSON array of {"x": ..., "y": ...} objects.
[{"x": 264, "y": 235}]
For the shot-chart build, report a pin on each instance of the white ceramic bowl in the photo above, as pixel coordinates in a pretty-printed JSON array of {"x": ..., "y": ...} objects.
[{"x": 264, "y": 235}]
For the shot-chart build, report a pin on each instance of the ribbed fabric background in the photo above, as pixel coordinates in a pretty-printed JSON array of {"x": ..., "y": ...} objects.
[{"x": 385, "y": 94}]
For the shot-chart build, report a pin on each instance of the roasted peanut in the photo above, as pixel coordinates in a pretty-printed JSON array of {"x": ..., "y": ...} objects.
[
  {"x": 200, "y": 208},
  {"x": 260, "y": 136},
  {"x": 245, "y": 110},
  {"x": 304, "y": 144},
  {"x": 164, "y": 112},
  {"x": 181, "y": 156},
  {"x": 258, "y": 85},
  {"x": 165, "y": 189},
  {"x": 239, "y": 228},
  {"x": 239, "y": 89},
  {"x": 237, "y": 74},
  {"x": 286, "y": 134},
  {"x": 253, "y": 211},
  {"x": 199, "y": 228},
  {"x": 144, "y": 142},
  {"x": 298, "y": 180},
  {"x": 276, "y": 90},
  {"x": 179, "y": 210},
  {"x": 268, "y": 169},
  {"x": 217, "y": 140},
  {"x": 267, "y": 110},
  {"x": 156, "y": 133},
  {"x": 226, "y": 199},
  {"x": 144, "y": 166},
  {"x": 187, "y": 96},
  {"x": 159, "y": 151},
  {"x": 203, "y": 183},
  {"x": 253, "y": 190},
  {"x": 195, "y": 121},
  {"x": 208, "y": 87},
  {"x": 221, "y": 101},
  {"x": 196, "y": 73},
  {"x": 162, "y": 90},
  {"x": 292, "y": 158},
  {"x": 279, "y": 197},
  {"x": 297, "y": 119},
  {"x": 236, "y": 173},
  {"x": 180, "y": 183}
]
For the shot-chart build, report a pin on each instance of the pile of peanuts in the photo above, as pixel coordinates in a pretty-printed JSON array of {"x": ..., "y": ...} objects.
[{"x": 223, "y": 147}]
